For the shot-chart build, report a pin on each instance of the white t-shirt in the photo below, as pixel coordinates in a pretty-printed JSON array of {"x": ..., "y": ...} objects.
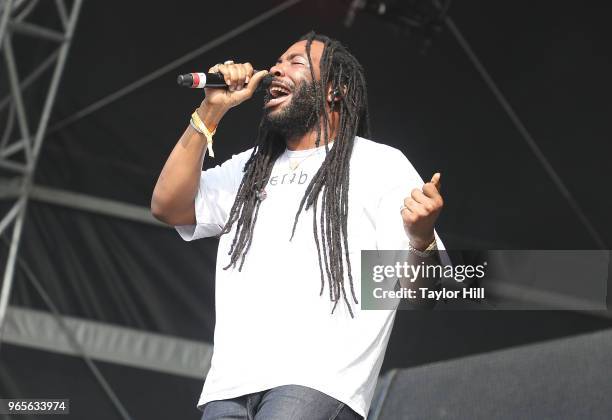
[{"x": 272, "y": 326}]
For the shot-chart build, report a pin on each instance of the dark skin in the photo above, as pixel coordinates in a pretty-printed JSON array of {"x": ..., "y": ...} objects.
[{"x": 173, "y": 197}]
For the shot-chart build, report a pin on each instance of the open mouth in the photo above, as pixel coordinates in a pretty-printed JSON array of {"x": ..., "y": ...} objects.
[{"x": 278, "y": 93}]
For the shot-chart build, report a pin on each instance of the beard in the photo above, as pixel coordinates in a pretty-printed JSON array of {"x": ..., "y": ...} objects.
[{"x": 298, "y": 117}]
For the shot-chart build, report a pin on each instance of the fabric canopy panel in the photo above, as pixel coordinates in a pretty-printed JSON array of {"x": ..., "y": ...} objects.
[
  {"x": 119, "y": 272},
  {"x": 104, "y": 342}
]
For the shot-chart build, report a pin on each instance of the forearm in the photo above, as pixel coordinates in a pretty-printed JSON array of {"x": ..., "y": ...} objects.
[{"x": 174, "y": 194}]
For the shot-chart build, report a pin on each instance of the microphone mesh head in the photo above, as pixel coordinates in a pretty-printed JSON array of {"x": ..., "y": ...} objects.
[
  {"x": 267, "y": 81},
  {"x": 185, "y": 80}
]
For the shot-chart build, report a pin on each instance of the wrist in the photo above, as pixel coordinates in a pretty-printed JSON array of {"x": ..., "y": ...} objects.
[
  {"x": 420, "y": 243},
  {"x": 201, "y": 127},
  {"x": 210, "y": 114}
]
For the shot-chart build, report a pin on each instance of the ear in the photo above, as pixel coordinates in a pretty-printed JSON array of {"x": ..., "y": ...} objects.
[{"x": 333, "y": 95}]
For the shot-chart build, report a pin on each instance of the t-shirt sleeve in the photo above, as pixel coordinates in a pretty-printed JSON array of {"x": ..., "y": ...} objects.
[
  {"x": 400, "y": 177},
  {"x": 214, "y": 198}
]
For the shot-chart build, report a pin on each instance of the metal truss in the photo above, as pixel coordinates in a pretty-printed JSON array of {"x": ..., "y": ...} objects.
[
  {"x": 19, "y": 156},
  {"x": 28, "y": 144}
]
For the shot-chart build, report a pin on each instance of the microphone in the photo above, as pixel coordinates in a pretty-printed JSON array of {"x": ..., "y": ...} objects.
[{"x": 214, "y": 80}]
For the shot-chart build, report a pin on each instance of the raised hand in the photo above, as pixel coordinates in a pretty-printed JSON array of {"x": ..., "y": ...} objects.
[
  {"x": 420, "y": 211},
  {"x": 241, "y": 81}
]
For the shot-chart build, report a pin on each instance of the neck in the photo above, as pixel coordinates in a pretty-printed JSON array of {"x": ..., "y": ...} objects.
[{"x": 308, "y": 140}]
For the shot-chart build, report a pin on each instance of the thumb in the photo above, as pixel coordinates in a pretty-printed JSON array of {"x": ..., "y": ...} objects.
[
  {"x": 435, "y": 179},
  {"x": 256, "y": 80}
]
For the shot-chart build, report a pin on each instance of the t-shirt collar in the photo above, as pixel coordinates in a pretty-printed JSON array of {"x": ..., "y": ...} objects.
[{"x": 306, "y": 152}]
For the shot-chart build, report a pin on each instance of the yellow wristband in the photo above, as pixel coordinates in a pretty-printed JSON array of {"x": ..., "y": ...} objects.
[{"x": 200, "y": 127}]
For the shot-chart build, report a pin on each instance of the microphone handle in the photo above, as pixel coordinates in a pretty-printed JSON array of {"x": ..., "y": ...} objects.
[{"x": 209, "y": 80}]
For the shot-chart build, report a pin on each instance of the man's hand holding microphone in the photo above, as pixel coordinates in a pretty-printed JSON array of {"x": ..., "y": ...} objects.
[{"x": 242, "y": 81}]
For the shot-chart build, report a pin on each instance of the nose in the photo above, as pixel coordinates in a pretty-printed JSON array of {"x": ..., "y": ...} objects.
[{"x": 277, "y": 70}]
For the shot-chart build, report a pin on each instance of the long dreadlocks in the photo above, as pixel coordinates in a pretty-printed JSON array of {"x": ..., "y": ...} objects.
[{"x": 340, "y": 69}]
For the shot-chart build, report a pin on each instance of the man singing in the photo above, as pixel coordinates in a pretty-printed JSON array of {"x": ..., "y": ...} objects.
[{"x": 293, "y": 213}]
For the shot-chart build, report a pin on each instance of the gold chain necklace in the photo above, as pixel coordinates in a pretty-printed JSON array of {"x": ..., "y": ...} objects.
[{"x": 293, "y": 166}]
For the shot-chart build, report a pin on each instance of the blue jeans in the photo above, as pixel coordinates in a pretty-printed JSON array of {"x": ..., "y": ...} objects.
[{"x": 287, "y": 402}]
